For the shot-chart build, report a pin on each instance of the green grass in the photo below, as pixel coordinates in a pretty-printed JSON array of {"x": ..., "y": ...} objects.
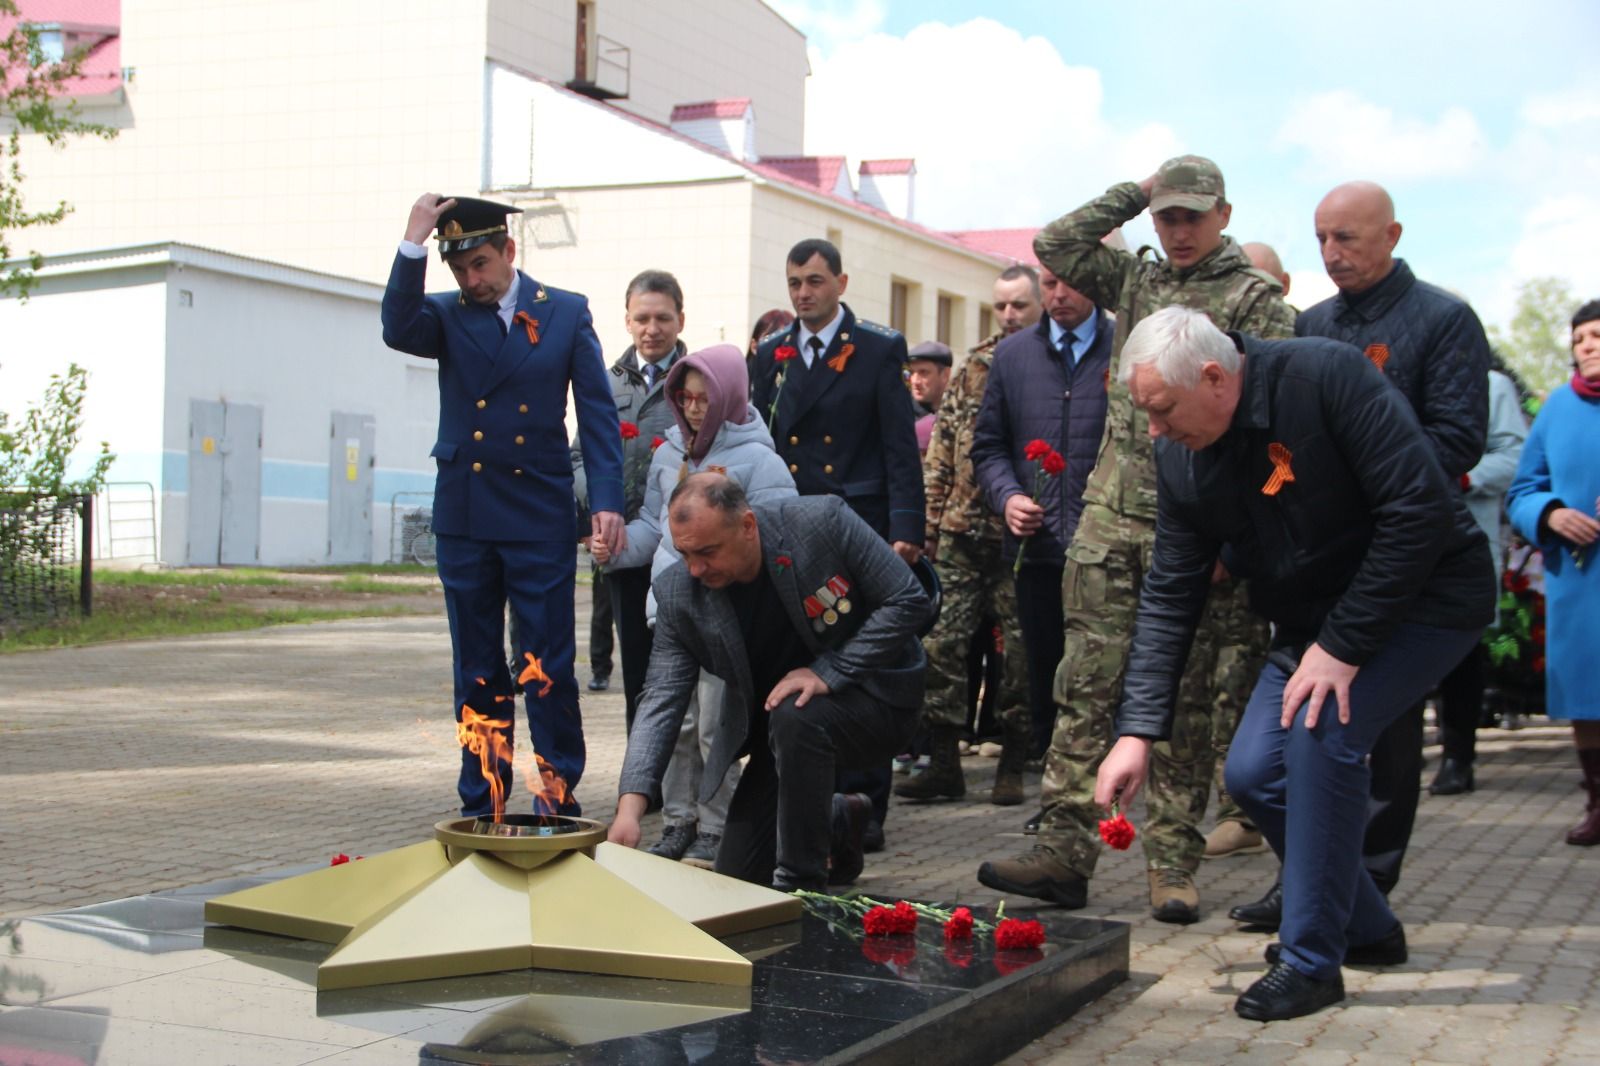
[
  {"x": 362, "y": 583},
  {"x": 190, "y": 578},
  {"x": 375, "y": 569},
  {"x": 180, "y": 620}
]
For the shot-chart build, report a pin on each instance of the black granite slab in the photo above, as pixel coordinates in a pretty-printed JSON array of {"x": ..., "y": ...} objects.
[{"x": 93, "y": 982}]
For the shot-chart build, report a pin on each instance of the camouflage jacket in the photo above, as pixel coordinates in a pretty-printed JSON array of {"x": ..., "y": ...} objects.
[
  {"x": 955, "y": 502},
  {"x": 1224, "y": 285}
]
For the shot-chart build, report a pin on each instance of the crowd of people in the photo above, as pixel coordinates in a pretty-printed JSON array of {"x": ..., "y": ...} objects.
[{"x": 1160, "y": 529}]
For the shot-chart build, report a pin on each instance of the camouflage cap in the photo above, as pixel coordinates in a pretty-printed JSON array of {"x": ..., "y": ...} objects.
[{"x": 1190, "y": 181}]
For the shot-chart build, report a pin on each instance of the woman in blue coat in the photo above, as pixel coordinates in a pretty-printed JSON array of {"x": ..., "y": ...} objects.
[{"x": 1555, "y": 503}]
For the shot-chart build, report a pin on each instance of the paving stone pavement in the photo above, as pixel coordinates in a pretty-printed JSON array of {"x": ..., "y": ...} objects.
[{"x": 134, "y": 767}]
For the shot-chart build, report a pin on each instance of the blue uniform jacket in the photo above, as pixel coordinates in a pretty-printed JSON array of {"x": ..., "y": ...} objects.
[
  {"x": 850, "y": 432},
  {"x": 505, "y": 472}
]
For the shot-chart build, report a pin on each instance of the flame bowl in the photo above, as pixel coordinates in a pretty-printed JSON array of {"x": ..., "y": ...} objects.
[{"x": 523, "y": 840}]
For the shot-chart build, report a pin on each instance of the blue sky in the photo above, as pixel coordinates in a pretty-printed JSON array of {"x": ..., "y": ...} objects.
[{"x": 1485, "y": 127}]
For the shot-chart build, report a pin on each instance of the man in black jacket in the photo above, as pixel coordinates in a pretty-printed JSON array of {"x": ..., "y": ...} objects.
[
  {"x": 1298, "y": 456},
  {"x": 1430, "y": 346}
]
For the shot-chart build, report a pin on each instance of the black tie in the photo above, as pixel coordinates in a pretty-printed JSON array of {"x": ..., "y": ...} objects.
[
  {"x": 501, "y": 322},
  {"x": 815, "y": 344}
]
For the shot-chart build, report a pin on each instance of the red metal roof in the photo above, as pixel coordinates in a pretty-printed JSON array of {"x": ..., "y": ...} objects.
[
  {"x": 888, "y": 166},
  {"x": 1013, "y": 244},
  {"x": 729, "y": 108},
  {"x": 102, "y": 19},
  {"x": 821, "y": 172}
]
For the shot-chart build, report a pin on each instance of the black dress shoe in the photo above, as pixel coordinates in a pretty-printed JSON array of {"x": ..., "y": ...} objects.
[
  {"x": 1266, "y": 912},
  {"x": 1454, "y": 777},
  {"x": 851, "y": 812},
  {"x": 872, "y": 837},
  {"x": 1385, "y": 951},
  {"x": 599, "y": 684},
  {"x": 1284, "y": 992}
]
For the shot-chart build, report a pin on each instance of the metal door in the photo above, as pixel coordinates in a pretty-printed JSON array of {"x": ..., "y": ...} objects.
[
  {"x": 350, "y": 466},
  {"x": 241, "y": 485},
  {"x": 224, "y": 484}
]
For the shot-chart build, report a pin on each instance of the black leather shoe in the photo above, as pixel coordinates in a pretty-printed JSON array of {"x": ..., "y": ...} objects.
[
  {"x": 1284, "y": 992},
  {"x": 1266, "y": 912},
  {"x": 1387, "y": 951},
  {"x": 1454, "y": 777},
  {"x": 872, "y": 838},
  {"x": 599, "y": 684},
  {"x": 851, "y": 812}
]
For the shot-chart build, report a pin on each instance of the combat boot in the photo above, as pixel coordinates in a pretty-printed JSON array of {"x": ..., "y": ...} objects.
[
  {"x": 1173, "y": 897},
  {"x": 1007, "y": 791},
  {"x": 943, "y": 777},
  {"x": 1040, "y": 874}
]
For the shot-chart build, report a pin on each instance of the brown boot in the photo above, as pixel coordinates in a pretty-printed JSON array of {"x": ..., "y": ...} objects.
[
  {"x": 1586, "y": 834},
  {"x": 1173, "y": 897},
  {"x": 1007, "y": 791},
  {"x": 943, "y": 777},
  {"x": 1040, "y": 874}
]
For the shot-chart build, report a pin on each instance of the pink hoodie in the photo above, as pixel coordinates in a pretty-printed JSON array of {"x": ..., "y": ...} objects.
[{"x": 728, "y": 386}]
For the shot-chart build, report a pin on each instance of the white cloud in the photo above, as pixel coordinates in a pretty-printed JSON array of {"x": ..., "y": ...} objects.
[
  {"x": 988, "y": 155},
  {"x": 825, "y": 22},
  {"x": 1566, "y": 108},
  {"x": 1346, "y": 136},
  {"x": 1559, "y": 237}
]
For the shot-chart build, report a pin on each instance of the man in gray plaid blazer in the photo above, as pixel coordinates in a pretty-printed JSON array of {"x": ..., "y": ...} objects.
[{"x": 812, "y": 620}]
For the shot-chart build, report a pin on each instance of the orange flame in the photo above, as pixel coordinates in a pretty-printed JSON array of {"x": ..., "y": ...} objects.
[
  {"x": 549, "y": 789},
  {"x": 534, "y": 672},
  {"x": 482, "y": 736}
]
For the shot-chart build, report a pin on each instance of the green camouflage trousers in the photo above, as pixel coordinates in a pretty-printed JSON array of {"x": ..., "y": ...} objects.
[
  {"x": 1106, "y": 564},
  {"x": 977, "y": 586}
]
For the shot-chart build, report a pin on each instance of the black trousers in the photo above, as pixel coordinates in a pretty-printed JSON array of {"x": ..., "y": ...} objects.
[
  {"x": 628, "y": 591},
  {"x": 779, "y": 821},
  {"x": 600, "y": 626},
  {"x": 1396, "y": 765},
  {"x": 1461, "y": 705},
  {"x": 1043, "y": 623}
]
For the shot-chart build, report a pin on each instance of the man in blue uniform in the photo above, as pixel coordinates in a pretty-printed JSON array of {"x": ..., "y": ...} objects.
[{"x": 503, "y": 509}]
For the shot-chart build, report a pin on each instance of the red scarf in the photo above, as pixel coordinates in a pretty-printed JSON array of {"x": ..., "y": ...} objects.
[{"x": 1589, "y": 390}]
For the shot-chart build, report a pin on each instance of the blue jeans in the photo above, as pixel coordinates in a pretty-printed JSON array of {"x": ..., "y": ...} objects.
[
  {"x": 537, "y": 578},
  {"x": 1307, "y": 791}
]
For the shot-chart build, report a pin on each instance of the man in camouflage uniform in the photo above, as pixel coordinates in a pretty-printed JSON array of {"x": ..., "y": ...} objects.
[
  {"x": 964, "y": 538},
  {"x": 1112, "y": 547}
]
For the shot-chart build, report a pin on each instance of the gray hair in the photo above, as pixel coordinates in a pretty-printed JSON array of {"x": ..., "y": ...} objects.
[
  {"x": 1177, "y": 342},
  {"x": 716, "y": 491}
]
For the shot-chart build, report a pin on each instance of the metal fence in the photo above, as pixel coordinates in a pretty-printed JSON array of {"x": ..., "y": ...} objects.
[{"x": 46, "y": 560}]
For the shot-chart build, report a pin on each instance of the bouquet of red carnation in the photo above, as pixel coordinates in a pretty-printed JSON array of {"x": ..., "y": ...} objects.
[
  {"x": 1051, "y": 464},
  {"x": 959, "y": 925},
  {"x": 1013, "y": 934},
  {"x": 887, "y": 921},
  {"x": 1117, "y": 831}
]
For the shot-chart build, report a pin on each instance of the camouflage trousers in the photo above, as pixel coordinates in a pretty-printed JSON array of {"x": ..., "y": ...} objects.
[
  {"x": 977, "y": 587},
  {"x": 1106, "y": 564}
]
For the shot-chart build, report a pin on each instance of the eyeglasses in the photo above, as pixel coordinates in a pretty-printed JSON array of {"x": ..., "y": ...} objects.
[{"x": 683, "y": 398}]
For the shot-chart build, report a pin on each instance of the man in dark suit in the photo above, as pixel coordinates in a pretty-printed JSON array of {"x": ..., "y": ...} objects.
[
  {"x": 832, "y": 389},
  {"x": 812, "y": 621},
  {"x": 503, "y": 511}
]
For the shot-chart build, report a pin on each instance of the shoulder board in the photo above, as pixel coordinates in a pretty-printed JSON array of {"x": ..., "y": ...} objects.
[
  {"x": 873, "y": 327},
  {"x": 774, "y": 335},
  {"x": 1257, "y": 272}
]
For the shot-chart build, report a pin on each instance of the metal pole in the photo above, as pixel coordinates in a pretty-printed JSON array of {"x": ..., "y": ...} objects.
[{"x": 86, "y": 560}]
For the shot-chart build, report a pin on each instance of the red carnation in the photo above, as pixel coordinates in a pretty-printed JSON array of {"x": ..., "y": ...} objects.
[
  {"x": 959, "y": 927},
  {"x": 785, "y": 353},
  {"x": 339, "y": 859},
  {"x": 1117, "y": 832},
  {"x": 1013, "y": 934},
  {"x": 1053, "y": 464},
  {"x": 887, "y": 921},
  {"x": 656, "y": 442},
  {"x": 629, "y": 431},
  {"x": 1036, "y": 449}
]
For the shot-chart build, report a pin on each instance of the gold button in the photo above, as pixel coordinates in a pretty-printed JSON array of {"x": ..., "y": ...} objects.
[
  {"x": 828, "y": 469},
  {"x": 827, "y": 440},
  {"x": 482, "y": 404},
  {"x": 522, "y": 409},
  {"x": 517, "y": 472},
  {"x": 794, "y": 468},
  {"x": 477, "y": 434},
  {"x": 794, "y": 440},
  {"x": 477, "y": 468},
  {"x": 519, "y": 439}
]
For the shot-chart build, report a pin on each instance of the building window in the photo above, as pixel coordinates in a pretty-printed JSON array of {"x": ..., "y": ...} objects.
[
  {"x": 899, "y": 304},
  {"x": 942, "y": 325},
  {"x": 985, "y": 322}
]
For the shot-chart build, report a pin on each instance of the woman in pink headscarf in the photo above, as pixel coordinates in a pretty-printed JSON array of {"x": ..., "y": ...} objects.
[{"x": 716, "y": 429}]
